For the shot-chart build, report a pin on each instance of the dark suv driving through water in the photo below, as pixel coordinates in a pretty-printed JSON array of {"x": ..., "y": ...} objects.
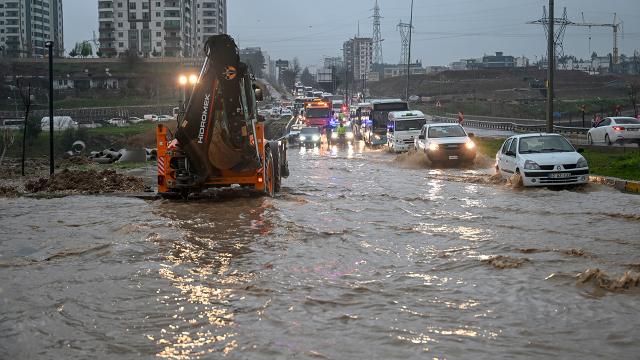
[{"x": 310, "y": 136}]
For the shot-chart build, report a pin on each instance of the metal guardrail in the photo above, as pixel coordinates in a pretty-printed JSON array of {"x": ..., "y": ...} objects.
[{"x": 515, "y": 127}]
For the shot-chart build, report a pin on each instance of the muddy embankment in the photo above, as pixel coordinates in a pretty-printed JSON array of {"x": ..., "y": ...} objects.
[{"x": 70, "y": 180}]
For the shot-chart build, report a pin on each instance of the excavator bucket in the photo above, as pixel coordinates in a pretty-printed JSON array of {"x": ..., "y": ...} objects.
[{"x": 217, "y": 131}]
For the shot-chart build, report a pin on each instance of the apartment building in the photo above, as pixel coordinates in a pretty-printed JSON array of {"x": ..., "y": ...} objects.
[
  {"x": 358, "y": 56},
  {"x": 26, "y": 25},
  {"x": 171, "y": 28},
  {"x": 210, "y": 18}
]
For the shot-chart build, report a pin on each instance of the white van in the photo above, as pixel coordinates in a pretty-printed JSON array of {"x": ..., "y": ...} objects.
[
  {"x": 60, "y": 123},
  {"x": 151, "y": 117},
  {"x": 402, "y": 128}
]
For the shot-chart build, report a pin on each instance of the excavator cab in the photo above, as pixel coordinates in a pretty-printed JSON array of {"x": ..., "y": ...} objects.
[{"x": 220, "y": 141}]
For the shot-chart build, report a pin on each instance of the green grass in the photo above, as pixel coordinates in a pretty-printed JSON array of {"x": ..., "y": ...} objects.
[
  {"x": 488, "y": 146},
  {"x": 623, "y": 165},
  {"x": 620, "y": 165}
]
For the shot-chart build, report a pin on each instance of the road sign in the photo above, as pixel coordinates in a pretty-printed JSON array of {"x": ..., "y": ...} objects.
[{"x": 438, "y": 105}]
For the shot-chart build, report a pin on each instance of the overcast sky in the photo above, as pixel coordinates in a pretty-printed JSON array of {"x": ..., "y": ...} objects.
[{"x": 445, "y": 30}]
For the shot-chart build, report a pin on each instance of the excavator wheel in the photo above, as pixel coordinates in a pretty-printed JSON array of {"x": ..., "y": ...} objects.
[
  {"x": 277, "y": 161},
  {"x": 270, "y": 167}
]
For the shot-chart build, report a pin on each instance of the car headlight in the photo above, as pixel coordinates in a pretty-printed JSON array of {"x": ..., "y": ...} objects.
[
  {"x": 434, "y": 147},
  {"x": 582, "y": 163},
  {"x": 470, "y": 145},
  {"x": 531, "y": 165},
  {"x": 315, "y": 138},
  {"x": 303, "y": 137},
  {"x": 334, "y": 135},
  {"x": 349, "y": 135},
  {"x": 377, "y": 137}
]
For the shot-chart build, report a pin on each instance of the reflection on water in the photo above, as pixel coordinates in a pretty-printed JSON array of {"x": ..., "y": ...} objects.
[
  {"x": 357, "y": 258},
  {"x": 200, "y": 268}
]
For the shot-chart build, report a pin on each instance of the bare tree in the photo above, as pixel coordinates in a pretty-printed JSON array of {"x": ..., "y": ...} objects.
[
  {"x": 26, "y": 100},
  {"x": 8, "y": 138},
  {"x": 633, "y": 96}
]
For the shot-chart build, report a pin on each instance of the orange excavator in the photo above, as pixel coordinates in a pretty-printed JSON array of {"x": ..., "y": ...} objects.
[{"x": 220, "y": 141}]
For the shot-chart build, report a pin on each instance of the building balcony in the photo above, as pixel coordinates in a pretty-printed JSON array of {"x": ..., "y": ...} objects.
[{"x": 172, "y": 25}]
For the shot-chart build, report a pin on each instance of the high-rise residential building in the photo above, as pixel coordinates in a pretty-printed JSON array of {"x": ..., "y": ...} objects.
[
  {"x": 358, "y": 56},
  {"x": 159, "y": 28},
  {"x": 210, "y": 18},
  {"x": 26, "y": 25}
]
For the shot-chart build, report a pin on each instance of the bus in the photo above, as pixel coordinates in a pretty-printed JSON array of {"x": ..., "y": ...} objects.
[
  {"x": 360, "y": 117},
  {"x": 375, "y": 129}
]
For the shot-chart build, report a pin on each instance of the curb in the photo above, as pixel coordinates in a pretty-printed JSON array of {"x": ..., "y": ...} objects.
[{"x": 622, "y": 185}]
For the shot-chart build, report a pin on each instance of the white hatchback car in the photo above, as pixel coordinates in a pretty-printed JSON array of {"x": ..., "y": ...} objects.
[
  {"x": 542, "y": 160},
  {"x": 615, "y": 129}
]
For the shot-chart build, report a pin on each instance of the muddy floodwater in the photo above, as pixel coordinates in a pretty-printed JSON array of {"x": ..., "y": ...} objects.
[{"x": 363, "y": 256}]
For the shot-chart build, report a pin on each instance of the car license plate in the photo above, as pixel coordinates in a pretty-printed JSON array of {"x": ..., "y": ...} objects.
[
  {"x": 453, "y": 157},
  {"x": 559, "y": 175},
  {"x": 632, "y": 129}
]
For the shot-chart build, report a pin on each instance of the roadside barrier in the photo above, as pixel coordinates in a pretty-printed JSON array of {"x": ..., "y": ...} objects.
[{"x": 512, "y": 126}]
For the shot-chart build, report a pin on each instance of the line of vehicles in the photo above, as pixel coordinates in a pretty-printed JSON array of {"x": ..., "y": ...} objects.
[
  {"x": 61, "y": 123},
  {"x": 532, "y": 159}
]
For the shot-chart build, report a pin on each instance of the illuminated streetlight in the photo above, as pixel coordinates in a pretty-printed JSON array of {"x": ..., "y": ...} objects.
[
  {"x": 193, "y": 79},
  {"x": 183, "y": 80}
]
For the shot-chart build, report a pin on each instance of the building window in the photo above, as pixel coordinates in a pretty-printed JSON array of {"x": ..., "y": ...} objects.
[
  {"x": 158, "y": 33},
  {"x": 119, "y": 4},
  {"x": 159, "y": 43},
  {"x": 120, "y": 34},
  {"x": 120, "y": 14},
  {"x": 132, "y": 6},
  {"x": 120, "y": 44}
]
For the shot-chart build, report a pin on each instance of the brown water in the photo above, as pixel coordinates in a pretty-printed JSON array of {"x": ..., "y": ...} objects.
[{"x": 363, "y": 256}]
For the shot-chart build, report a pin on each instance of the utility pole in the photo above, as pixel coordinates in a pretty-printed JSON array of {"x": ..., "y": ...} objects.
[
  {"x": 409, "y": 52},
  {"x": 346, "y": 85},
  {"x": 49, "y": 44},
  {"x": 551, "y": 66},
  {"x": 364, "y": 87}
]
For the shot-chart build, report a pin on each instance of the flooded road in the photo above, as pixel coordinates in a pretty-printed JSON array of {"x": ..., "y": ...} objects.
[{"x": 364, "y": 255}]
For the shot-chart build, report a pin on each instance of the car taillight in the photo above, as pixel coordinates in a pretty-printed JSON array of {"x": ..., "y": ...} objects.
[{"x": 618, "y": 128}]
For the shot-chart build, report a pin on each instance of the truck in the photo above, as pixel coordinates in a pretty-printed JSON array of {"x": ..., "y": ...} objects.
[
  {"x": 220, "y": 140},
  {"x": 317, "y": 113},
  {"x": 403, "y": 128},
  {"x": 375, "y": 129}
]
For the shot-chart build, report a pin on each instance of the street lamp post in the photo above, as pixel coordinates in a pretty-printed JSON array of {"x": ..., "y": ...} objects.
[
  {"x": 193, "y": 80},
  {"x": 182, "y": 80},
  {"x": 49, "y": 45}
]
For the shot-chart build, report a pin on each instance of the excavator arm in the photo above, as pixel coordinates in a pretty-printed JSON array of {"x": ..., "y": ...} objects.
[{"x": 219, "y": 139}]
